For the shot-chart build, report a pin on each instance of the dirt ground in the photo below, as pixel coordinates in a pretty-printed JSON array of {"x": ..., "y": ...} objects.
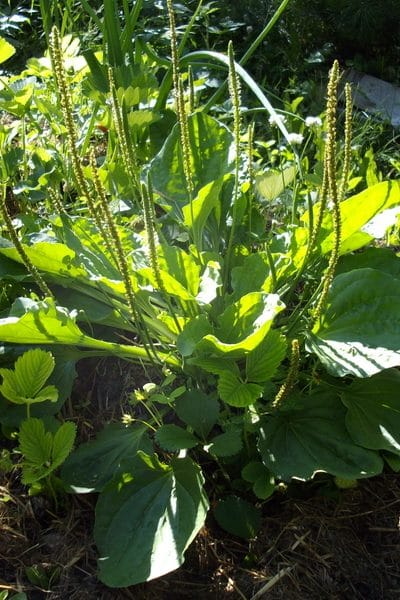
[{"x": 316, "y": 542}]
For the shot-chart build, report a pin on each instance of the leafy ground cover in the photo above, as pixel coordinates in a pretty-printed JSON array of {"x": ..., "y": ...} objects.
[{"x": 241, "y": 257}]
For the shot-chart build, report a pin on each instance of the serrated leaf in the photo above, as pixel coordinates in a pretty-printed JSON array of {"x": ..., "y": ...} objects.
[
  {"x": 36, "y": 446},
  {"x": 373, "y": 411},
  {"x": 145, "y": 520},
  {"x": 263, "y": 361},
  {"x": 172, "y": 438},
  {"x": 63, "y": 442},
  {"x": 9, "y": 386},
  {"x": 215, "y": 365},
  {"x": 228, "y": 443},
  {"x": 48, "y": 393},
  {"x": 91, "y": 466},
  {"x": 238, "y": 517},
  {"x": 359, "y": 333},
  {"x": 32, "y": 370},
  {"x": 198, "y": 410},
  {"x": 235, "y": 392},
  {"x": 34, "y": 442},
  {"x": 312, "y": 437}
]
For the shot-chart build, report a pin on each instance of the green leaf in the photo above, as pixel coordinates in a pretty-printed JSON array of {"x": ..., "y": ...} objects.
[
  {"x": 262, "y": 480},
  {"x": 215, "y": 365},
  {"x": 393, "y": 460},
  {"x": 32, "y": 370},
  {"x": 36, "y": 446},
  {"x": 6, "y": 50},
  {"x": 146, "y": 519},
  {"x": 238, "y": 517},
  {"x": 373, "y": 415},
  {"x": 359, "y": 333},
  {"x": 192, "y": 333},
  {"x": 63, "y": 442},
  {"x": 244, "y": 324},
  {"x": 271, "y": 184},
  {"x": 228, "y": 443},
  {"x": 263, "y": 361},
  {"x": 46, "y": 323},
  {"x": 172, "y": 438},
  {"x": 312, "y": 437},
  {"x": 62, "y": 379},
  {"x": 381, "y": 259},
  {"x": 196, "y": 214},
  {"x": 91, "y": 466},
  {"x": 35, "y": 443},
  {"x": 210, "y": 283},
  {"x": 252, "y": 275},
  {"x": 237, "y": 393},
  {"x": 211, "y": 158},
  {"x": 198, "y": 410},
  {"x": 356, "y": 212}
]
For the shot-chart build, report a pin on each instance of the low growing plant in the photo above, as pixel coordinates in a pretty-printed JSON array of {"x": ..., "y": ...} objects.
[{"x": 278, "y": 339}]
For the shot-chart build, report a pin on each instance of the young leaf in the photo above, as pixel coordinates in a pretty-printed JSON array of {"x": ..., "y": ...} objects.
[
  {"x": 238, "y": 517},
  {"x": 312, "y": 437},
  {"x": 359, "y": 334},
  {"x": 172, "y": 438},
  {"x": 373, "y": 415},
  {"x": 145, "y": 520},
  {"x": 36, "y": 446},
  {"x": 198, "y": 410},
  {"x": 31, "y": 371},
  {"x": 91, "y": 466}
]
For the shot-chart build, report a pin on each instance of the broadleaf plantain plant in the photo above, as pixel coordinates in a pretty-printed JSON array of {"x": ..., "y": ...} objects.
[{"x": 173, "y": 250}]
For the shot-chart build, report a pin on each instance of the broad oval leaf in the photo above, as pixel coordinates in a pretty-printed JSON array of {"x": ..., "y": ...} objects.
[
  {"x": 146, "y": 519},
  {"x": 359, "y": 333},
  {"x": 211, "y": 158},
  {"x": 373, "y": 411},
  {"x": 243, "y": 325},
  {"x": 94, "y": 464},
  {"x": 263, "y": 361},
  {"x": 312, "y": 437},
  {"x": 356, "y": 212}
]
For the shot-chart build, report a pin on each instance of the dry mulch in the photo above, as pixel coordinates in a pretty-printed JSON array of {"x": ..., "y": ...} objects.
[{"x": 316, "y": 542}]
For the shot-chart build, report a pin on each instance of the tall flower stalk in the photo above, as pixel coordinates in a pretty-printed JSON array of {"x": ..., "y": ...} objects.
[
  {"x": 330, "y": 188},
  {"x": 234, "y": 92}
]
